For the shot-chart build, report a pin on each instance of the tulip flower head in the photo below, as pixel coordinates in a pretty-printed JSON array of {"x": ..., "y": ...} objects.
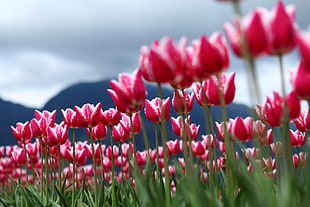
[
  {"x": 302, "y": 122},
  {"x": 110, "y": 117},
  {"x": 88, "y": 115},
  {"x": 304, "y": 46},
  {"x": 178, "y": 101},
  {"x": 157, "y": 110},
  {"x": 209, "y": 57},
  {"x": 300, "y": 80},
  {"x": 22, "y": 132},
  {"x": 129, "y": 92}
]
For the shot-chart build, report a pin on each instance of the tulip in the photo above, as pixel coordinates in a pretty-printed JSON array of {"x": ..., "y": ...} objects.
[
  {"x": 210, "y": 140},
  {"x": 129, "y": 92},
  {"x": 98, "y": 132},
  {"x": 198, "y": 148},
  {"x": 166, "y": 62},
  {"x": 178, "y": 101},
  {"x": 282, "y": 29},
  {"x": 302, "y": 122},
  {"x": 191, "y": 130},
  {"x": 304, "y": 46},
  {"x": 272, "y": 111},
  {"x": 19, "y": 156},
  {"x": 300, "y": 160},
  {"x": 119, "y": 133},
  {"x": 298, "y": 138},
  {"x": 153, "y": 109},
  {"x": 300, "y": 80},
  {"x": 136, "y": 123},
  {"x": 22, "y": 132},
  {"x": 80, "y": 156},
  {"x": 208, "y": 93},
  {"x": 256, "y": 37},
  {"x": 173, "y": 147},
  {"x": 209, "y": 57},
  {"x": 88, "y": 115},
  {"x": 70, "y": 118},
  {"x": 57, "y": 135},
  {"x": 110, "y": 117},
  {"x": 49, "y": 116},
  {"x": 240, "y": 129}
]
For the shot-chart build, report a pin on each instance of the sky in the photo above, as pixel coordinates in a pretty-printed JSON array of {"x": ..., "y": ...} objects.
[{"x": 46, "y": 46}]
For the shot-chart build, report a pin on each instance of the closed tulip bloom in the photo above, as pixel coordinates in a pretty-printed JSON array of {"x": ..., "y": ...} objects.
[
  {"x": 282, "y": 29},
  {"x": 210, "y": 141},
  {"x": 173, "y": 147},
  {"x": 57, "y": 135},
  {"x": 303, "y": 41},
  {"x": 198, "y": 148},
  {"x": 178, "y": 101},
  {"x": 49, "y": 116},
  {"x": 302, "y": 122},
  {"x": 88, "y": 115},
  {"x": 125, "y": 122},
  {"x": 70, "y": 118},
  {"x": 241, "y": 129},
  {"x": 19, "y": 156},
  {"x": 300, "y": 160},
  {"x": 300, "y": 80},
  {"x": 209, "y": 57},
  {"x": 110, "y": 117},
  {"x": 157, "y": 110},
  {"x": 80, "y": 156},
  {"x": 255, "y": 34},
  {"x": 164, "y": 61},
  {"x": 191, "y": 130},
  {"x": 22, "y": 132},
  {"x": 119, "y": 133},
  {"x": 298, "y": 138},
  {"x": 129, "y": 92},
  {"x": 272, "y": 110},
  {"x": 99, "y": 132},
  {"x": 208, "y": 93}
]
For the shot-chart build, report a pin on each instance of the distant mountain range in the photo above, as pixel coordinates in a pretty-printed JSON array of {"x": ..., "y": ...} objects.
[{"x": 82, "y": 93}]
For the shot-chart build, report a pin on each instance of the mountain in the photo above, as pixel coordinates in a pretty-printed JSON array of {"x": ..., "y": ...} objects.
[
  {"x": 12, "y": 113},
  {"x": 82, "y": 93}
]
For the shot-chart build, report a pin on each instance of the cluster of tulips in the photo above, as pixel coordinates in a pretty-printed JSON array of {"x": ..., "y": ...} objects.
[{"x": 195, "y": 72}]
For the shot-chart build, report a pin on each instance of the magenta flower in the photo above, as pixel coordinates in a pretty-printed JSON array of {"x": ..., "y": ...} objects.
[
  {"x": 166, "y": 62},
  {"x": 49, "y": 116},
  {"x": 302, "y": 122},
  {"x": 110, "y": 117},
  {"x": 272, "y": 111},
  {"x": 298, "y": 138},
  {"x": 88, "y": 115},
  {"x": 178, "y": 101},
  {"x": 22, "y": 132},
  {"x": 80, "y": 156},
  {"x": 190, "y": 130},
  {"x": 173, "y": 147},
  {"x": 153, "y": 109},
  {"x": 119, "y": 133},
  {"x": 255, "y": 32},
  {"x": 208, "y": 93},
  {"x": 209, "y": 57},
  {"x": 300, "y": 80},
  {"x": 129, "y": 92},
  {"x": 125, "y": 122},
  {"x": 70, "y": 118},
  {"x": 304, "y": 46},
  {"x": 99, "y": 132},
  {"x": 57, "y": 135},
  {"x": 241, "y": 129},
  {"x": 282, "y": 29}
]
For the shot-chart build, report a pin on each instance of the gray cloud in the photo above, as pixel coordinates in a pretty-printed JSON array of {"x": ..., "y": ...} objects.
[{"x": 52, "y": 44}]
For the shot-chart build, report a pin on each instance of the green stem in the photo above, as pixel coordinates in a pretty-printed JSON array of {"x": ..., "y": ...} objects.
[
  {"x": 163, "y": 130},
  {"x": 59, "y": 168},
  {"x": 113, "y": 169},
  {"x": 74, "y": 169},
  {"x": 26, "y": 165},
  {"x": 157, "y": 152},
  {"x": 46, "y": 174},
  {"x": 95, "y": 166}
]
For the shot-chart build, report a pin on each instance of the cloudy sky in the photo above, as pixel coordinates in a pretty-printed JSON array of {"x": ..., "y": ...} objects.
[{"x": 46, "y": 46}]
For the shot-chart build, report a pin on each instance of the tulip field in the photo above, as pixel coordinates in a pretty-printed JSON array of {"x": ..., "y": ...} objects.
[{"x": 259, "y": 160}]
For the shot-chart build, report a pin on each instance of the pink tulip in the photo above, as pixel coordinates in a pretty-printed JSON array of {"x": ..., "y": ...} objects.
[
  {"x": 272, "y": 111},
  {"x": 198, "y": 148},
  {"x": 300, "y": 160},
  {"x": 153, "y": 109},
  {"x": 240, "y": 129},
  {"x": 191, "y": 130},
  {"x": 302, "y": 122},
  {"x": 178, "y": 101},
  {"x": 300, "y": 80},
  {"x": 209, "y": 57},
  {"x": 166, "y": 62},
  {"x": 70, "y": 118},
  {"x": 57, "y": 135},
  {"x": 110, "y": 117},
  {"x": 49, "y": 116},
  {"x": 119, "y": 133},
  {"x": 255, "y": 31},
  {"x": 80, "y": 156},
  {"x": 298, "y": 138},
  {"x": 125, "y": 122},
  {"x": 22, "y": 132},
  {"x": 88, "y": 115},
  {"x": 129, "y": 92},
  {"x": 208, "y": 93},
  {"x": 18, "y": 156},
  {"x": 210, "y": 141},
  {"x": 173, "y": 147},
  {"x": 282, "y": 29},
  {"x": 304, "y": 46},
  {"x": 99, "y": 132}
]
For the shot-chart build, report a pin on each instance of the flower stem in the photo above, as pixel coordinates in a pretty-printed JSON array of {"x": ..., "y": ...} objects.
[
  {"x": 94, "y": 166},
  {"x": 113, "y": 169}
]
